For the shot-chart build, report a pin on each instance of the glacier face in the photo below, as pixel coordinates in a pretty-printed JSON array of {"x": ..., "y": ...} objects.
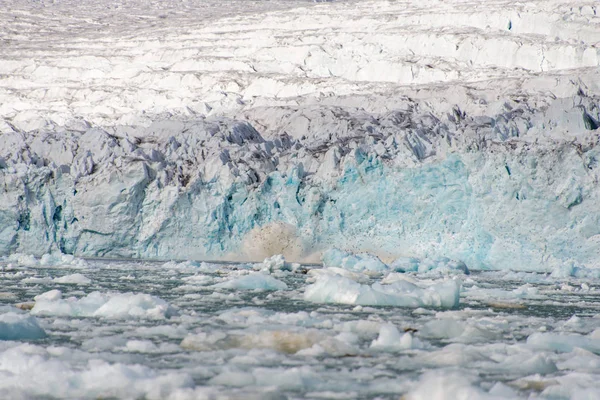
[{"x": 257, "y": 135}]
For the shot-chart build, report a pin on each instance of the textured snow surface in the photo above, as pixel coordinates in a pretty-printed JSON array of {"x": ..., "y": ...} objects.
[
  {"x": 511, "y": 335},
  {"x": 430, "y": 130}
]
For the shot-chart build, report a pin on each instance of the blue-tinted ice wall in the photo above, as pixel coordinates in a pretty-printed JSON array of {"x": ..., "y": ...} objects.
[{"x": 479, "y": 190}]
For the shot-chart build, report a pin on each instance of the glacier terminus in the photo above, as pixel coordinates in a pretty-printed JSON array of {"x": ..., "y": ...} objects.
[{"x": 293, "y": 199}]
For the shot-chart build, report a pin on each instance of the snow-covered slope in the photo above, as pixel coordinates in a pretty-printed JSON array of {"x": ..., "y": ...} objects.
[{"x": 218, "y": 130}]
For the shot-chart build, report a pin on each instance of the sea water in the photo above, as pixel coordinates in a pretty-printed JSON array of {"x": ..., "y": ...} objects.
[{"x": 186, "y": 330}]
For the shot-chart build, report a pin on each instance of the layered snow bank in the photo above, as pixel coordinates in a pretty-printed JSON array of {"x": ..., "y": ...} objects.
[
  {"x": 215, "y": 142},
  {"x": 342, "y": 290},
  {"x": 103, "y": 305}
]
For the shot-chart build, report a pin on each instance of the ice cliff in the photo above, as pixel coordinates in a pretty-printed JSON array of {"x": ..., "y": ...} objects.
[{"x": 403, "y": 133}]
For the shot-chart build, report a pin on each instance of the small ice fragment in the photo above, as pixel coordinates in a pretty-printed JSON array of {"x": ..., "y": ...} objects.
[
  {"x": 252, "y": 281},
  {"x": 74, "y": 279},
  {"x": 361, "y": 262},
  {"x": 19, "y": 326},
  {"x": 390, "y": 338}
]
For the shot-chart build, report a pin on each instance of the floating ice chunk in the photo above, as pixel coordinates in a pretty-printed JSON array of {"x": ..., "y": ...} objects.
[
  {"x": 147, "y": 346},
  {"x": 526, "y": 363},
  {"x": 15, "y": 325},
  {"x": 106, "y": 305},
  {"x": 453, "y": 355},
  {"x": 73, "y": 279},
  {"x": 563, "y": 343},
  {"x": 405, "y": 264},
  {"x": 338, "y": 289},
  {"x": 355, "y": 276},
  {"x": 274, "y": 263},
  {"x": 51, "y": 295},
  {"x": 127, "y": 305},
  {"x": 391, "y": 339},
  {"x": 581, "y": 360},
  {"x": 364, "y": 329},
  {"x": 444, "y": 385},
  {"x": 526, "y": 291},
  {"x": 297, "y": 378},
  {"x": 570, "y": 270},
  {"x": 468, "y": 331},
  {"x": 199, "y": 280},
  {"x": 255, "y": 280},
  {"x": 355, "y": 262},
  {"x": 192, "y": 266},
  {"x": 442, "y": 264},
  {"x": 501, "y": 390},
  {"x": 393, "y": 277},
  {"x": 234, "y": 379}
]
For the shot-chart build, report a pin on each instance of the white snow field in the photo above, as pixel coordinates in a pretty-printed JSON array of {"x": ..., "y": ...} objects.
[{"x": 421, "y": 179}]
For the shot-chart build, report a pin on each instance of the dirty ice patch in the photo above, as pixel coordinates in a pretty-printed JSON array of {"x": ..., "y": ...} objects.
[
  {"x": 104, "y": 305},
  {"x": 253, "y": 281},
  {"x": 341, "y": 290},
  {"x": 16, "y": 325},
  {"x": 360, "y": 262},
  {"x": 56, "y": 378}
]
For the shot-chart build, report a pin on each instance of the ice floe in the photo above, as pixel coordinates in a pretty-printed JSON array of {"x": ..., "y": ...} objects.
[
  {"x": 339, "y": 289},
  {"x": 104, "y": 305}
]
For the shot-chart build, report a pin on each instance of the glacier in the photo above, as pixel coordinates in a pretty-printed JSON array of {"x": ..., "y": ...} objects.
[{"x": 224, "y": 141}]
